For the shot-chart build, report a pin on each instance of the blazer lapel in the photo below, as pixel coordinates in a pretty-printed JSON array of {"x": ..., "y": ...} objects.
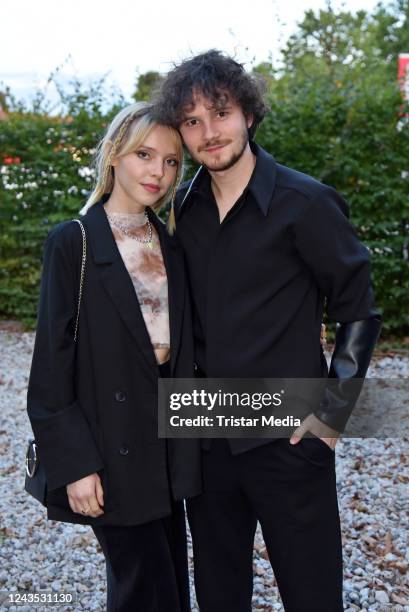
[
  {"x": 173, "y": 260},
  {"x": 117, "y": 281}
]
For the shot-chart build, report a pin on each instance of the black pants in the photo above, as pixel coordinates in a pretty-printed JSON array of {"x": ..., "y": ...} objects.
[
  {"x": 291, "y": 491},
  {"x": 146, "y": 565}
]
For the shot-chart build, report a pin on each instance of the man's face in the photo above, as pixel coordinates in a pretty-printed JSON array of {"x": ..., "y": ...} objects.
[{"x": 215, "y": 137}]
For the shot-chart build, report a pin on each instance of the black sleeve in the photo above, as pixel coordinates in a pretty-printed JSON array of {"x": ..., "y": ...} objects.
[
  {"x": 329, "y": 245},
  {"x": 65, "y": 442},
  {"x": 354, "y": 345},
  {"x": 340, "y": 263}
]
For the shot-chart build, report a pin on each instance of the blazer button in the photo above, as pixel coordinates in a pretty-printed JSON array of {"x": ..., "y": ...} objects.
[
  {"x": 195, "y": 367},
  {"x": 120, "y": 396},
  {"x": 124, "y": 450}
]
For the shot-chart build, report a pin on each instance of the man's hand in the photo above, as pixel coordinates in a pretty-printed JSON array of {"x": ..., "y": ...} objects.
[
  {"x": 318, "y": 428},
  {"x": 86, "y": 496}
]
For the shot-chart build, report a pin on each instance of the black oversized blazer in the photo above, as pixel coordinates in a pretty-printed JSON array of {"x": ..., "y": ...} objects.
[{"x": 93, "y": 404}]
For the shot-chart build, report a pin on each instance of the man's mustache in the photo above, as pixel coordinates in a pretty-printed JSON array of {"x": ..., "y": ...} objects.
[{"x": 215, "y": 143}]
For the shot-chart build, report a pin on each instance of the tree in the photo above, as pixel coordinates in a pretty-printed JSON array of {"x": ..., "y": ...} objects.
[
  {"x": 146, "y": 84},
  {"x": 328, "y": 41}
]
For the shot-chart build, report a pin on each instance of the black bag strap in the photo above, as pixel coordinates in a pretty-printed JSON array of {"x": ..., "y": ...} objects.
[{"x": 84, "y": 258}]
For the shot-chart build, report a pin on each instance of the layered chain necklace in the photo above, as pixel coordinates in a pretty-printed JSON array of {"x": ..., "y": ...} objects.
[{"x": 148, "y": 241}]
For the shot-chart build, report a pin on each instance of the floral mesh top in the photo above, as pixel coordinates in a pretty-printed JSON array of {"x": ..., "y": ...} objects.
[{"x": 147, "y": 271}]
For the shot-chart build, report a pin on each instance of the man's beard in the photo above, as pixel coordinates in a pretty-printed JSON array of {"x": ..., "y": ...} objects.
[{"x": 233, "y": 159}]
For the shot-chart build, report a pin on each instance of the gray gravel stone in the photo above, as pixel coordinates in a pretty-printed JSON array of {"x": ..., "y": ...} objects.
[{"x": 372, "y": 477}]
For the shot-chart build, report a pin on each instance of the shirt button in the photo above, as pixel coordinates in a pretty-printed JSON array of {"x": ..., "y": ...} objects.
[
  {"x": 124, "y": 450},
  {"x": 120, "y": 396}
]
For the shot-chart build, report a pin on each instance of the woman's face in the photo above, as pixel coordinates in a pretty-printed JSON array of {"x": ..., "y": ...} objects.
[{"x": 145, "y": 175}]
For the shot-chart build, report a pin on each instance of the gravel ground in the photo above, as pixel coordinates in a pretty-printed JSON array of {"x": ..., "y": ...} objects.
[{"x": 372, "y": 477}]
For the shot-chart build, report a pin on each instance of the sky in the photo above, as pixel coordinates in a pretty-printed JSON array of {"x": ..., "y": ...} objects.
[{"x": 90, "y": 38}]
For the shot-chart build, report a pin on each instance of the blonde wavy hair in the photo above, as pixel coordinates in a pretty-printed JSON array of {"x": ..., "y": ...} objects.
[{"x": 126, "y": 132}]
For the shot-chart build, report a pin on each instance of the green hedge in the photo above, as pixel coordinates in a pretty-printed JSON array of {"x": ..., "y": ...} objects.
[
  {"x": 352, "y": 138},
  {"x": 48, "y": 185}
]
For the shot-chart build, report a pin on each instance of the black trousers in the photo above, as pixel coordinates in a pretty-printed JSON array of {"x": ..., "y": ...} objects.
[
  {"x": 146, "y": 565},
  {"x": 291, "y": 491}
]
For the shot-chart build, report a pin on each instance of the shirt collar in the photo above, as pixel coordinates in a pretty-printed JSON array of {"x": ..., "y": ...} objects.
[{"x": 261, "y": 185}]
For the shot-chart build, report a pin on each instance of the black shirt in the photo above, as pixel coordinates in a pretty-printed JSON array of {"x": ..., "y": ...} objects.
[{"x": 260, "y": 278}]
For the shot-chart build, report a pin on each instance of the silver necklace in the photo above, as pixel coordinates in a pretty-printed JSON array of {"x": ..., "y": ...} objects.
[{"x": 124, "y": 229}]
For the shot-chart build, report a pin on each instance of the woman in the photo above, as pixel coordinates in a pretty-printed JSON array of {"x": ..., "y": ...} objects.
[{"x": 93, "y": 403}]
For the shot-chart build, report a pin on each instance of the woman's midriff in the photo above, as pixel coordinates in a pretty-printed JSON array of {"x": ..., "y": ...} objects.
[{"x": 162, "y": 355}]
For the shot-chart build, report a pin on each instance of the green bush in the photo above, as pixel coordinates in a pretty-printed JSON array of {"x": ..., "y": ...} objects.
[
  {"x": 48, "y": 185},
  {"x": 350, "y": 138}
]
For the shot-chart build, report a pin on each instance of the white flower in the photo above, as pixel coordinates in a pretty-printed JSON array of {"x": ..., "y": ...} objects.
[{"x": 85, "y": 171}]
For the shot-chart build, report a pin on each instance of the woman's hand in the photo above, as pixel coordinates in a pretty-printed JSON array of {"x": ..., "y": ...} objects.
[{"x": 86, "y": 496}]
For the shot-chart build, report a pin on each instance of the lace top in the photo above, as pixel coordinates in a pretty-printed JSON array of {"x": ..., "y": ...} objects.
[{"x": 147, "y": 271}]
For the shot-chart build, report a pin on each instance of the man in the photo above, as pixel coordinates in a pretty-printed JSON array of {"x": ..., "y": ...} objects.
[{"x": 265, "y": 246}]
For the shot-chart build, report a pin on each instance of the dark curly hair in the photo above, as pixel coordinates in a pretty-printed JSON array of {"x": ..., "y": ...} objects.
[{"x": 218, "y": 78}]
